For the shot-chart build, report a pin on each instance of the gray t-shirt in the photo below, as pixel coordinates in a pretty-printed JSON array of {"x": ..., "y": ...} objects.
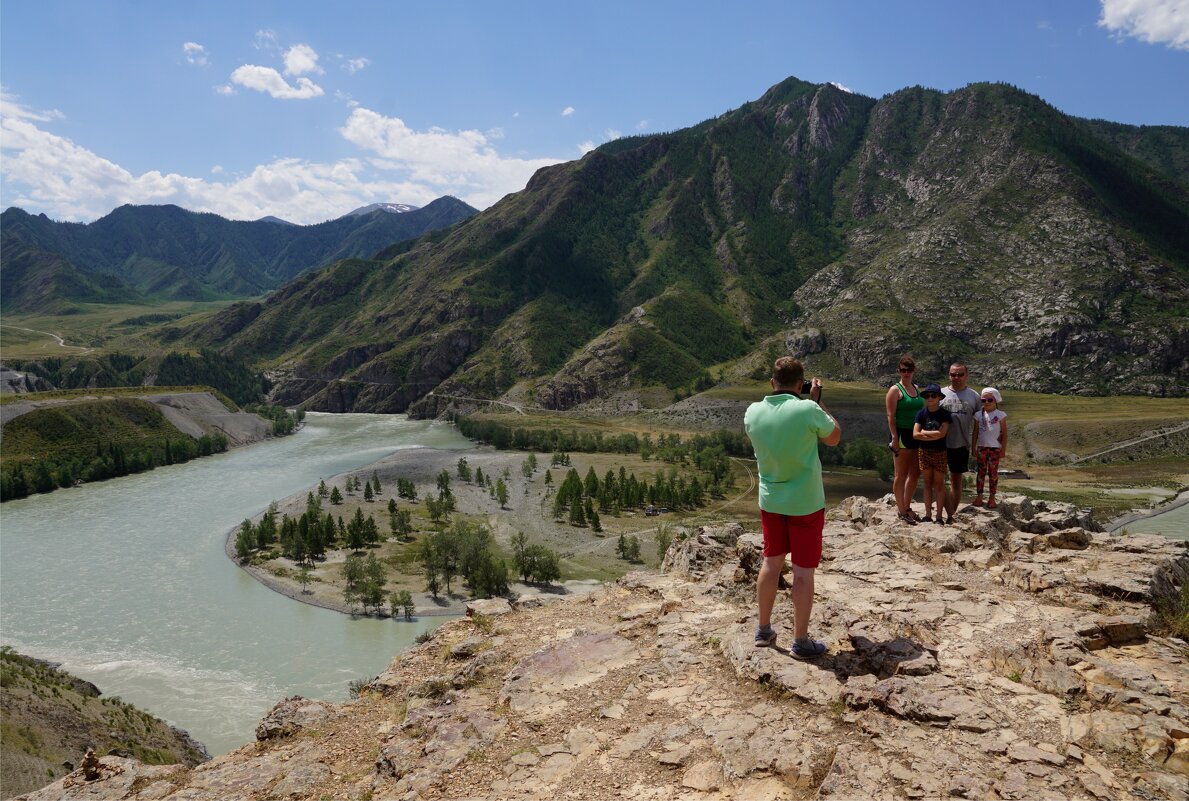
[{"x": 961, "y": 406}]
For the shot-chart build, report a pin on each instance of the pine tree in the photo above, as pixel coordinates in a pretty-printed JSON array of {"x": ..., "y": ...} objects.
[
  {"x": 375, "y": 483},
  {"x": 245, "y": 540},
  {"x": 336, "y": 497},
  {"x": 367, "y": 492},
  {"x": 577, "y": 514},
  {"x": 595, "y": 524},
  {"x": 501, "y": 493}
]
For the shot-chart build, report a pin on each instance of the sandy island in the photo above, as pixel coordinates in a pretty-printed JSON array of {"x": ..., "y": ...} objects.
[{"x": 422, "y": 465}]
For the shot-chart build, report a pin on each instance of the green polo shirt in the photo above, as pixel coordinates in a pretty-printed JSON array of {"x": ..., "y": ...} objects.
[{"x": 784, "y": 431}]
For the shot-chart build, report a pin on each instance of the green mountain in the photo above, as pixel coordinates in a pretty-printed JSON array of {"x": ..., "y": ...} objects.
[
  {"x": 34, "y": 280},
  {"x": 168, "y": 252},
  {"x": 1047, "y": 252}
]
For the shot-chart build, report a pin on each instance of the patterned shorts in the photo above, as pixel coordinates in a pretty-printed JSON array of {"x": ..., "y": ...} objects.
[{"x": 932, "y": 459}]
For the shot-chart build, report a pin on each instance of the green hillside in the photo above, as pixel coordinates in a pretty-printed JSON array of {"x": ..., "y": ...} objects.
[
  {"x": 980, "y": 224},
  {"x": 57, "y": 446},
  {"x": 48, "y": 718},
  {"x": 36, "y": 281}
]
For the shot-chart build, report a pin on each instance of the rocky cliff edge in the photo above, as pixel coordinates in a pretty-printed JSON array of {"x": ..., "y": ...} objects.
[{"x": 1007, "y": 656}]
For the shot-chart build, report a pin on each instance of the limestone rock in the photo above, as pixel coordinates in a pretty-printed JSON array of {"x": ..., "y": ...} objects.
[
  {"x": 540, "y": 681},
  {"x": 291, "y": 716},
  {"x": 489, "y": 607},
  {"x": 1010, "y": 667}
]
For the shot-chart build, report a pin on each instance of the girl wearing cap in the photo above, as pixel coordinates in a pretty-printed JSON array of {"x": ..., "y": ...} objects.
[
  {"x": 992, "y": 444},
  {"x": 929, "y": 429}
]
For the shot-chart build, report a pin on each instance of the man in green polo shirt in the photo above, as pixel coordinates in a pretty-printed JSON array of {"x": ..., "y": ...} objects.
[{"x": 785, "y": 431}]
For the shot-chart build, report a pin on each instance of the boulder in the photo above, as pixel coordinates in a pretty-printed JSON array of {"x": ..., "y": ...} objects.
[{"x": 291, "y": 716}]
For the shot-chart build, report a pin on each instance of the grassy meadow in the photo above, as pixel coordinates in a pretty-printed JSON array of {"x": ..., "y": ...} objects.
[{"x": 95, "y": 328}]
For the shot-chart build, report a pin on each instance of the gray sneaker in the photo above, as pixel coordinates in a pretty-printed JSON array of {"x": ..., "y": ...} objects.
[
  {"x": 808, "y": 649},
  {"x": 765, "y": 639}
]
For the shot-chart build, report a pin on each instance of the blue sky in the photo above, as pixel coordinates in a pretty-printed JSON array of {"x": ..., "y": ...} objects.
[{"x": 305, "y": 110}]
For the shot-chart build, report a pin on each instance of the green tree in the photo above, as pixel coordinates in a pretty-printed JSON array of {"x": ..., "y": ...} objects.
[
  {"x": 548, "y": 477},
  {"x": 402, "y": 601},
  {"x": 323, "y": 492},
  {"x": 664, "y": 538},
  {"x": 464, "y": 472},
  {"x": 374, "y": 579},
  {"x": 336, "y": 497},
  {"x": 355, "y": 531},
  {"x": 429, "y": 563},
  {"x": 596, "y": 524},
  {"x": 391, "y": 505},
  {"x": 371, "y": 532},
  {"x": 304, "y": 577},
  {"x": 632, "y": 549},
  {"x": 479, "y": 476},
  {"x": 401, "y": 523},
  {"x": 367, "y": 492},
  {"x": 501, "y": 493},
  {"x": 353, "y": 578},
  {"x": 577, "y": 514},
  {"x": 245, "y": 540},
  {"x": 375, "y": 483},
  {"x": 519, "y": 547}
]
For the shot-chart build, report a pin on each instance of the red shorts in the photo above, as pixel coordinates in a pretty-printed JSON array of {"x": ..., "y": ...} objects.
[{"x": 797, "y": 535}]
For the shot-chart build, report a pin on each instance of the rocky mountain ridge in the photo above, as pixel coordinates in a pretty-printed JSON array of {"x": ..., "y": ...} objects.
[
  {"x": 982, "y": 224},
  {"x": 1012, "y": 655},
  {"x": 169, "y": 252}
]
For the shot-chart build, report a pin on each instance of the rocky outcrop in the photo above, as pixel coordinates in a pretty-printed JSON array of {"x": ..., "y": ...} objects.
[{"x": 978, "y": 660}]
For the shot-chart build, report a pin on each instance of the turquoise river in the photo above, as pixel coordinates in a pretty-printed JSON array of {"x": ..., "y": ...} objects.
[{"x": 126, "y": 583}]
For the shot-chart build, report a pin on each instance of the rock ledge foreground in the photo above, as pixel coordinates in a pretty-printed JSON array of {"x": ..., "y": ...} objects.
[{"x": 1006, "y": 656}]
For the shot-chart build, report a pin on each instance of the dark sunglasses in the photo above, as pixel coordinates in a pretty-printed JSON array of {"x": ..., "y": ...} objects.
[
  {"x": 930, "y": 395},
  {"x": 907, "y": 370},
  {"x": 988, "y": 400},
  {"x": 957, "y": 375}
]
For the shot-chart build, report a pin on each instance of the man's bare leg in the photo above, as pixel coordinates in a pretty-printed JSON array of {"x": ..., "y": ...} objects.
[
  {"x": 954, "y": 500},
  {"x": 802, "y": 594},
  {"x": 767, "y": 585}
]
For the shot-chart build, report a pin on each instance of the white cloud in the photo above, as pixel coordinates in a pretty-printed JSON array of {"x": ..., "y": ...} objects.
[
  {"x": 10, "y": 107},
  {"x": 354, "y": 65},
  {"x": 1044, "y": 25},
  {"x": 461, "y": 163},
  {"x": 1151, "y": 21},
  {"x": 224, "y": 89},
  {"x": 568, "y": 111},
  {"x": 515, "y": 114},
  {"x": 346, "y": 98},
  {"x": 586, "y": 147},
  {"x": 195, "y": 53},
  {"x": 302, "y": 59},
  {"x": 265, "y": 40},
  {"x": 612, "y": 134},
  {"x": 846, "y": 89},
  {"x": 266, "y": 79},
  {"x": 42, "y": 171},
  {"x": 642, "y": 125}
]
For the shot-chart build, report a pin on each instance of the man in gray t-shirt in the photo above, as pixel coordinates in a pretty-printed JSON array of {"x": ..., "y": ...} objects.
[{"x": 961, "y": 402}]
